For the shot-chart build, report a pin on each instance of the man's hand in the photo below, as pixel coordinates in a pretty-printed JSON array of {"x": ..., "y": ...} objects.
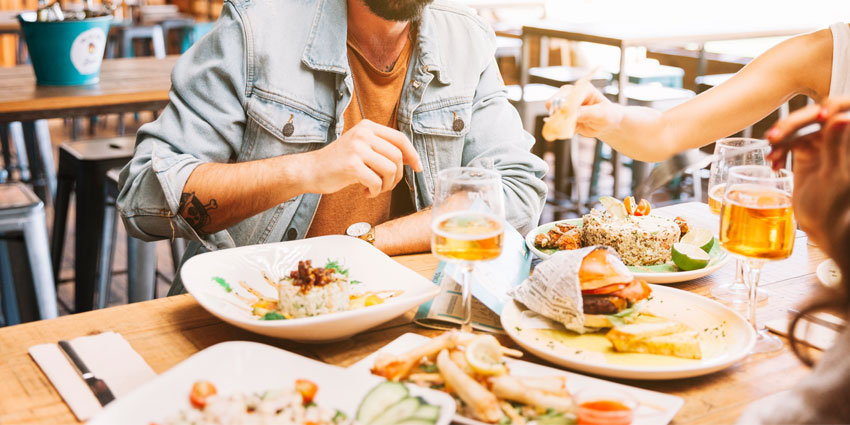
[{"x": 368, "y": 153}]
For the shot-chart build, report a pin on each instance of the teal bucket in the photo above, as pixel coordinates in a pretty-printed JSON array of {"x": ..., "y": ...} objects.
[{"x": 65, "y": 53}]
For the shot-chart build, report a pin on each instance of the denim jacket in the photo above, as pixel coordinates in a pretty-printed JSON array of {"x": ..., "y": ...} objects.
[{"x": 270, "y": 62}]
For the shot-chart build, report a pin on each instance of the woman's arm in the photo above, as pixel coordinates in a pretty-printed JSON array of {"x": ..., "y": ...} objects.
[{"x": 801, "y": 65}]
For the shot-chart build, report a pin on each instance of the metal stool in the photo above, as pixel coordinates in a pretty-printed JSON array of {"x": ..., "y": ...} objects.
[
  {"x": 141, "y": 255},
  {"x": 121, "y": 39},
  {"x": 21, "y": 211},
  {"x": 34, "y": 155},
  {"x": 82, "y": 167}
]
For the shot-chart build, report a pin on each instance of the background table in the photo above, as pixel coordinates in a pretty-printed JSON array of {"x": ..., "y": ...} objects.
[
  {"x": 166, "y": 331},
  {"x": 126, "y": 85},
  {"x": 636, "y": 33}
]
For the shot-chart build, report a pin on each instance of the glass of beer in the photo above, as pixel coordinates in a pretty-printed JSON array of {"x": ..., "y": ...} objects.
[
  {"x": 757, "y": 225},
  {"x": 729, "y": 153},
  {"x": 467, "y": 224}
]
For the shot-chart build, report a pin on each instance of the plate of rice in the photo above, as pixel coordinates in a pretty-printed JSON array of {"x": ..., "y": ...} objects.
[
  {"x": 311, "y": 290},
  {"x": 643, "y": 243}
]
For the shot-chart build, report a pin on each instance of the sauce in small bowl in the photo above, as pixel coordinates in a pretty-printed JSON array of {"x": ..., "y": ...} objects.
[{"x": 605, "y": 408}]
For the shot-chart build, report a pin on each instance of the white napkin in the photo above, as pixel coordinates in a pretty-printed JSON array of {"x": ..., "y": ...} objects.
[
  {"x": 813, "y": 334},
  {"x": 109, "y": 357}
]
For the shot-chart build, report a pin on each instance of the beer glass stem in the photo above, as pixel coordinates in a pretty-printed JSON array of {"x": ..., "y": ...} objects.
[
  {"x": 752, "y": 273},
  {"x": 467, "y": 269}
]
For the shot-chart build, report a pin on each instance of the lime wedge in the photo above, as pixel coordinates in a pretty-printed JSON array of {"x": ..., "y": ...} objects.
[
  {"x": 614, "y": 206},
  {"x": 699, "y": 236},
  {"x": 689, "y": 257}
]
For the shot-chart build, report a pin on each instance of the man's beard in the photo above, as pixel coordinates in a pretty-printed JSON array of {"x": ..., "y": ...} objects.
[{"x": 397, "y": 10}]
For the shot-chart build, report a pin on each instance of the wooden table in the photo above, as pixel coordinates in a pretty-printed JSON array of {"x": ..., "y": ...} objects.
[
  {"x": 637, "y": 33},
  {"x": 126, "y": 85},
  {"x": 168, "y": 330}
]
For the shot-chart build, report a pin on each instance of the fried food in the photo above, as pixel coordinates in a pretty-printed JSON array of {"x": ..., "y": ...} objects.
[
  {"x": 562, "y": 236},
  {"x": 667, "y": 338},
  {"x": 483, "y": 404},
  {"x": 683, "y": 225}
]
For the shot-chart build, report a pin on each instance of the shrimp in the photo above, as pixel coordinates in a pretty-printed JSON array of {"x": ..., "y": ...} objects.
[
  {"x": 397, "y": 367},
  {"x": 484, "y": 405},
  {"x": 545, "y": 393}
]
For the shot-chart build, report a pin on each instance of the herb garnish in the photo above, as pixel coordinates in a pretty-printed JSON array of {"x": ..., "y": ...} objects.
[
  {"x": 223, "y": 283},
  {"x": 337, "y": 267},
  {"x": 273, "y": 315}
]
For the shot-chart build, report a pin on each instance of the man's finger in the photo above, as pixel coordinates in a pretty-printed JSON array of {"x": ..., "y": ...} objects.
[
  {"x": 383, "y": 167},
  {"x": 368, "y": 178},
  {"x": 389, "y": 151},
  {"x": 397, "y": 138}
]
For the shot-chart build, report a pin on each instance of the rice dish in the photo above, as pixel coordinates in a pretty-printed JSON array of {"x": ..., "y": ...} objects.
[
  {"x": 310, "y": 291},
  {"x": 640, "y": 240}
]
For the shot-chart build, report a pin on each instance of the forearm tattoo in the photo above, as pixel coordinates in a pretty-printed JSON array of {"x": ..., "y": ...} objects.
[{"x": 195, "y": 211}]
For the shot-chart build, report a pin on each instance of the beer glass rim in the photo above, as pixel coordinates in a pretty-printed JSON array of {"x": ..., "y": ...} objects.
[
  {"x": 727, "y": 143},
  {"x": 739, "y": 172},
  {"x": 468, "y": 174}
]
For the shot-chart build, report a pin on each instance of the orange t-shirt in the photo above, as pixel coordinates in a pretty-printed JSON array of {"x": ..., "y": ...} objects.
[{"x": 377, "y": 93}]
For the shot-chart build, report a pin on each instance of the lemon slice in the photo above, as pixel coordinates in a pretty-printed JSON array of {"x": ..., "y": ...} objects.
[
  {"x": 689, "y": 257},
  {"x": 699, "y": 236},
  {"x": 614, "y": 206},
  {"x": 484, "y": 355}
]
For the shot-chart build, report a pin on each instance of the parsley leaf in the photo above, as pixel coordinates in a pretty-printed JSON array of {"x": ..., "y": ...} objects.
[
  {"x": 223, "y": 283},
  {"x": 337, "y": 267}
]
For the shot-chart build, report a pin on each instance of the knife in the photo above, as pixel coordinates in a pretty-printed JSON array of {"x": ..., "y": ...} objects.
[{"x": 97, "y": 386}]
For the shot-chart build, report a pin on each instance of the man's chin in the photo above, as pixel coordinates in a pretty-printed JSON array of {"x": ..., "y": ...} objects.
[{"x": 397, "y": 10}]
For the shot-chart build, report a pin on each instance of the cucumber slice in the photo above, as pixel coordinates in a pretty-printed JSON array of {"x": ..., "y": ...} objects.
[
  {"x": 379, "y": 399},
  {"x": 427, "y": 412},
  {"x": 395, "y": 413}
]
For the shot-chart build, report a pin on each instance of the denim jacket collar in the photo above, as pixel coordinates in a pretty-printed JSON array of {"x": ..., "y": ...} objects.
[{"x": 324, "y": 52}]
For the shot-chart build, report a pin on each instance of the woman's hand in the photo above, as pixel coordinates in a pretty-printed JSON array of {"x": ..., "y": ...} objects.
[
  {"x": 821, "y": 165},
  {"x": 596, "y": 113}
]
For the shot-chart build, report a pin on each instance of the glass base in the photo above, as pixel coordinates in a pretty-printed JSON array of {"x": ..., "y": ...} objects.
[
  {"x": 735, "y": 293},
  {"x": 766, "y": 343}
]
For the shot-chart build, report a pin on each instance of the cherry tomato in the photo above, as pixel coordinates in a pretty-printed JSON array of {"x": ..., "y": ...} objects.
[
  {"x": 643, "y": 208},
  {"x": 629, "y": 203},
  {"x": 307, "y": 389},
  {"x": 200, "y": 392}
]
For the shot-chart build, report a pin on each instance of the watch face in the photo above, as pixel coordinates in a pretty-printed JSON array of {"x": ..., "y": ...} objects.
[{"x": 358, "y": 229}]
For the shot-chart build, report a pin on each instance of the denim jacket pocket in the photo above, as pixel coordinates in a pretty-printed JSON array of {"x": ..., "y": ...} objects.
[
  {"x": 280, "y": 126},
  {"x": 440, "y": 130}
]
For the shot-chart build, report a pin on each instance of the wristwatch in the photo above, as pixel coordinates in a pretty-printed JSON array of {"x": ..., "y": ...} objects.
[{"x": 362, "y": 230}]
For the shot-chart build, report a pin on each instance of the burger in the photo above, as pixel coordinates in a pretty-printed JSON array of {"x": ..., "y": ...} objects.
[{"x": 610, "y": 293}]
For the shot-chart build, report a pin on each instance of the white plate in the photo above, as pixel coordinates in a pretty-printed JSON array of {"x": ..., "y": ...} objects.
[
  {"x": 719, "y": 259},
  {"x": 829, "y": 274},
  {"x": 365, "y": 263},
  {"x": 240, "y": 366},
  {"x": 725, "y": 338},
  {"x": 655, "y": 408}
]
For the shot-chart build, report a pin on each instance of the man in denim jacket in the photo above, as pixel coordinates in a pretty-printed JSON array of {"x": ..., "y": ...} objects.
[{"x": 267, "y": 119}]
